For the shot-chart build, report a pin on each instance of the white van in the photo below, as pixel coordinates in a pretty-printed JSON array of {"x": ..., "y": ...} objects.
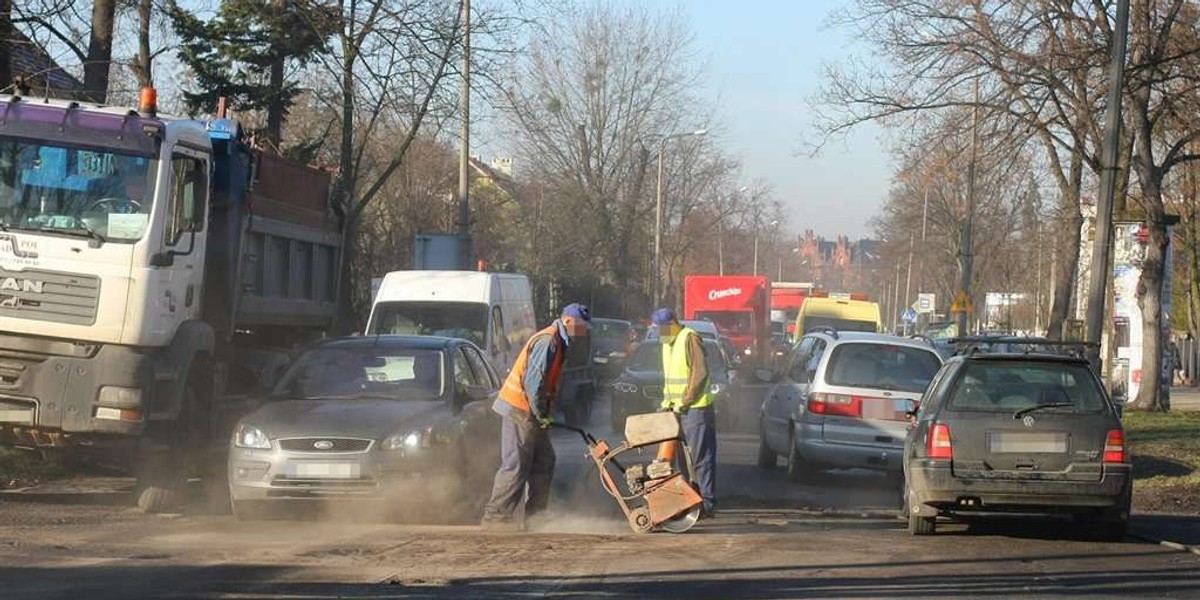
[{"x": 493, "y": 310}]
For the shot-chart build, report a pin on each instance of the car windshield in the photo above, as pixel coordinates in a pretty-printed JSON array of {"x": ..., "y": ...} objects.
[
  {"x": 818, "y": 323},
  {"x": 1011, "y": 386},
  {"x": 610, "y": 334},
  {"x": 366, "y": 372},
  {"x": 882, "y": 366},
  {"x": 61, "y": 189},
  {"x": 730, "y": 323},
  {"x": 465, "y": 320}
]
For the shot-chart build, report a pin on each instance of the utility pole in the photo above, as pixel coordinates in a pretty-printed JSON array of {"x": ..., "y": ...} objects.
[
  {"x": 968, "y": 251},
  {"x": 464, "y": 151},
  {"x": 721, "y": 246},
  {"x": 1102, "y": 247},
  {"x": 908, "y": 279}
]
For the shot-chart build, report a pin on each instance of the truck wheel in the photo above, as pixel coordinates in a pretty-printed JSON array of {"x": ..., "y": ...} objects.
[{"x": 162, "y": 470}]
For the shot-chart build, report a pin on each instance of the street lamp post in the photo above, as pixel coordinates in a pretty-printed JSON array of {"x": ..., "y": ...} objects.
[
  {"x": 658, "y": 213},
  {"x": 772, "y": 224}
]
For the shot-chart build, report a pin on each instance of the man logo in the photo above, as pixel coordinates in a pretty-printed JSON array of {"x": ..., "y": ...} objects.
[
  {"x": 323, "y": 445},
  {"x": 15, "y": 284}
]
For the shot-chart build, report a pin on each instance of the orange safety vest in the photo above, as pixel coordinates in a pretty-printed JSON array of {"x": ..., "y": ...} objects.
[{"x": 513, "y": 391}]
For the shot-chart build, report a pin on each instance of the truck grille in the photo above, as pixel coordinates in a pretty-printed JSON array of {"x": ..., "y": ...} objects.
[
  {"x": 69, "y": 298},
  {"x": 325, "y": 444}
]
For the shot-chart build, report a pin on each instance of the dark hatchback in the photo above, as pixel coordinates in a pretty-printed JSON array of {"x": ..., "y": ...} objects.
[
  {"x": 1018, "y": 433},
  {"x": 638, "y": 389},
  {"x": 382, "y": 417},
  {"x": 612, "y": 340}
]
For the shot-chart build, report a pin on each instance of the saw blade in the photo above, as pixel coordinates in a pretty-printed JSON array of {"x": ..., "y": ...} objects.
[{"x": 683, "y": 522}]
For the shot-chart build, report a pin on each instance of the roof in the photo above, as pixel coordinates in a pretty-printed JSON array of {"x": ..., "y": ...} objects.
[
  {"x": 882, "y": 338},
  {"x": 1021, "y": 356},
  {"x": 30, "y": 60},
  {"x": 416, "y": 342}
]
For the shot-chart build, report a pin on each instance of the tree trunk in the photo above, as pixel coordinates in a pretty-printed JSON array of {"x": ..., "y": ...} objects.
[
  {"x": 142, "y": 63},
  {"x": 5, "y": 36},
  {"x": 276, "y": 105},
  {"x": 1064, "y": 286},
  {"x": 99, "y": 56},
  {"x": 348, "y": 184},
  {"x": 1151, "y": 396}
]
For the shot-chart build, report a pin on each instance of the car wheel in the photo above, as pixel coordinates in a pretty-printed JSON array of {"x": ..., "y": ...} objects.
[
  {"x": 798, "y": 469},
  {"x": 249, "y": 510},
  {"x": 767, "y": 459},
  {"x": 918, "y": 525}
]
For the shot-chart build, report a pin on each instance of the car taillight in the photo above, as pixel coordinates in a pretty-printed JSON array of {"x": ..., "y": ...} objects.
[
  {"x": 836, "y": 405},
  {"x": 939, "y": 445},
  {"x": 1114, "y": 447}
]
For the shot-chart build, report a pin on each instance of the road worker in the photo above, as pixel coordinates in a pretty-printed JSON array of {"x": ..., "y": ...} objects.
[
  {"x": 526, "y": 403},
  {"x": 686, "y": 390}
]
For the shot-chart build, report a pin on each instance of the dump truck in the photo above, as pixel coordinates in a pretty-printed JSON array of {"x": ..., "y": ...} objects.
[{"x": 152, "y": 271}]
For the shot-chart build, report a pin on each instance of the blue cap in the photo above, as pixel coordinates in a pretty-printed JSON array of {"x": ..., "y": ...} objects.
[
  {"x": 577, "y": 311},
  {"x": 663, "y": 316}
]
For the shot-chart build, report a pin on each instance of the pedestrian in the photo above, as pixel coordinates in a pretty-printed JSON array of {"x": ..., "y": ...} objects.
[
  {"x": 527, "y": 402},
  {"x": 686, "y": 391},
  {"x": 1175, "y": 359}
]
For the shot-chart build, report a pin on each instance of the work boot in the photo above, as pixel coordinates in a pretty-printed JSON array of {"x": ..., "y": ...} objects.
[
  {"x": 501, "y": 525},
  {"x": 707, "y": 512}
]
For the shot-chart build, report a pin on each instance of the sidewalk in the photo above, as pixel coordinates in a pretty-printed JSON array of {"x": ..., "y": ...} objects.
[{"x": 1185, "y": 398}]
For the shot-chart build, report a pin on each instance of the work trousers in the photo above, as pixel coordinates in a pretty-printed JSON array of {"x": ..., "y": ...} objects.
[
  {"x": 700, "y": 433},
  {"x": 526, "y": 460}
]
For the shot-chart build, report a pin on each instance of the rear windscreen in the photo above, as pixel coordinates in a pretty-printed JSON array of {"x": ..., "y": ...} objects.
[
  {"x": 1011, "y": 386},
  {"x": 818, "y": 323},
  {"x": 882, "y": 366}
]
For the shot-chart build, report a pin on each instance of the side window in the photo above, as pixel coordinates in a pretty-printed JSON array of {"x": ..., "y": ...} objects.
[
  {"x": 499, "y": 339},
  {"x": 189, "y": 197},
  {"x": 800, "y": 356},
  {"x": 814, "y": 359},
  {"x": 935, "y": 393},
  {"x": 483, "y": 372},
  {"x": 463, "y": 376}
]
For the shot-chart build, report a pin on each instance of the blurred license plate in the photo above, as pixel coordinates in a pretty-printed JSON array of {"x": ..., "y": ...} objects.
[
  {"x": 1018, "y": 442},
  {"x": 600, "y": 359},
  {"x": 324, "y": 470},
  {"x": 887, "y": 409}
]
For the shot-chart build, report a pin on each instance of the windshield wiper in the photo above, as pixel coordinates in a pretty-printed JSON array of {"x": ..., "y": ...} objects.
[
  {"x": 84, "y": 230},
  {"x": 1025, "y": 411}
]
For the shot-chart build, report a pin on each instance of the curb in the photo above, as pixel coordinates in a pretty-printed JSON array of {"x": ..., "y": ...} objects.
[{"x": 1166, "y": 543}]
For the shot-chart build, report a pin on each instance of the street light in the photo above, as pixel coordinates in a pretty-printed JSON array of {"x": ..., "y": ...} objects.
[
  {"x": 774, "y": 223},
  {"x": 721, "y": 237},
  {"x": 658, "y": 212}
]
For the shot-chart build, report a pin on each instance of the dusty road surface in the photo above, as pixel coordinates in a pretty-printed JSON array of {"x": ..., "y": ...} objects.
[{"x": 833, "y": 538}]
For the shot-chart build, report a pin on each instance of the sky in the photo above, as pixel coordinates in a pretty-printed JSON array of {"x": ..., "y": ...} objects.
[{"x": 764, "y": 62}]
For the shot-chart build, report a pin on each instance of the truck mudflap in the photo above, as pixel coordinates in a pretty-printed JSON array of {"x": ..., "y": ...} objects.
[{"x": 80, "y": 388}]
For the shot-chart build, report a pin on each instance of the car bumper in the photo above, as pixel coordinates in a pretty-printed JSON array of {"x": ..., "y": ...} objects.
[
  {"x": 839, "y": 455},
  {"x": 934, "y": 484},
  {"x": 265, "y": 474}
]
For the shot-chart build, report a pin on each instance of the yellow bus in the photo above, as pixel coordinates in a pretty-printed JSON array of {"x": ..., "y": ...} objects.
[{"x": 843, "y": 315}]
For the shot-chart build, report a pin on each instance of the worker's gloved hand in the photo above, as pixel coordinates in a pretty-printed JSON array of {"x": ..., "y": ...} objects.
[
  {"x": 682, "y": 410},
  {"x": 545, "y": 422},
  {"x": 665, "y": 409}
]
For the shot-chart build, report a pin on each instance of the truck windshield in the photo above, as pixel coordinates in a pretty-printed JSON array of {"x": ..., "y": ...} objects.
[
  {"x": 729, "y": 323},
  {"x": 54, "y": 188},
  {"x": 464, "y": 320}
]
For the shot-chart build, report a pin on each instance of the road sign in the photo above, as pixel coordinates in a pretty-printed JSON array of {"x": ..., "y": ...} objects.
[
  {"x": 909, "y": 316},
  {"x": 961, "y": 304},
  {"x": 926, "y": 303}
]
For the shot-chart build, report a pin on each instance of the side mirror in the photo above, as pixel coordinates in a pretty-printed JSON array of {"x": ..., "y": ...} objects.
[{"x": 162, "y": 259}]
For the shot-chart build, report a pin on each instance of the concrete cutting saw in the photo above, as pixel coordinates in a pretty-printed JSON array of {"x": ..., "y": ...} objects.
[{"x": 655, "y": 496}]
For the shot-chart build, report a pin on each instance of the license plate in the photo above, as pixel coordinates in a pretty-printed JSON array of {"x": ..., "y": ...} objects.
[
  {"x": 1004, "y": 442},
  {"x": 324, "y": 470},
  {"x": 600, "y": 360}
]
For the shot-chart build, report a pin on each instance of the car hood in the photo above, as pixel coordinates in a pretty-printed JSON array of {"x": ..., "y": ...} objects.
[{"x": 373, "y": 419}]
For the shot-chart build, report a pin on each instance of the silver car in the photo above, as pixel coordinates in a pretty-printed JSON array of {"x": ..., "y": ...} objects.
[
  {"x": 384, "y": 417},
  {"x": 841, "y": 400}
]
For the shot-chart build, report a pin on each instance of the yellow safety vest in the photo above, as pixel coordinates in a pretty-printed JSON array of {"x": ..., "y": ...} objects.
[{"x": 676, "y": 373}]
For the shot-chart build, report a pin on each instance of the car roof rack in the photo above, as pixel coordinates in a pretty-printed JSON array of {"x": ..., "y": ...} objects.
[
  {"x": 922, "y": 337},
  {"x": 970, "y": 345},
  {"x": 830, "y": 331}
]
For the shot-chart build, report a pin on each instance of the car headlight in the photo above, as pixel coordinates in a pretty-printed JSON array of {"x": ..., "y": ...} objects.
[
  {"x": 625, "y": 388},
  {"x": 249, "y": 436},
  {"x": 408, "y": 440},
  {"x": 747, "y": 351},
  {"x": 719, "y": 388}
]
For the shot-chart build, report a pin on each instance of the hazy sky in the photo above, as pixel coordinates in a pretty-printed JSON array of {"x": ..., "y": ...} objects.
[{"x": 764, "y": 62}]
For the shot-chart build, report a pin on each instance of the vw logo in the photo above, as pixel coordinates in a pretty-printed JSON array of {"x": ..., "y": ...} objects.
[
  {"x": 1027, "y": 420},
  {"x": 328, "y": 445}
]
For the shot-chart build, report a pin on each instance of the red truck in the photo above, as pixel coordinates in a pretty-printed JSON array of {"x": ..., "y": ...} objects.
[
  {"x": 786, "y": 300},
  {"x": 739, "y": 305}
]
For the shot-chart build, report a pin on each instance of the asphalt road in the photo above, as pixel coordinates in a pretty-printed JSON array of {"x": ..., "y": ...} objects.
[{"x": 836, "y": 537}]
